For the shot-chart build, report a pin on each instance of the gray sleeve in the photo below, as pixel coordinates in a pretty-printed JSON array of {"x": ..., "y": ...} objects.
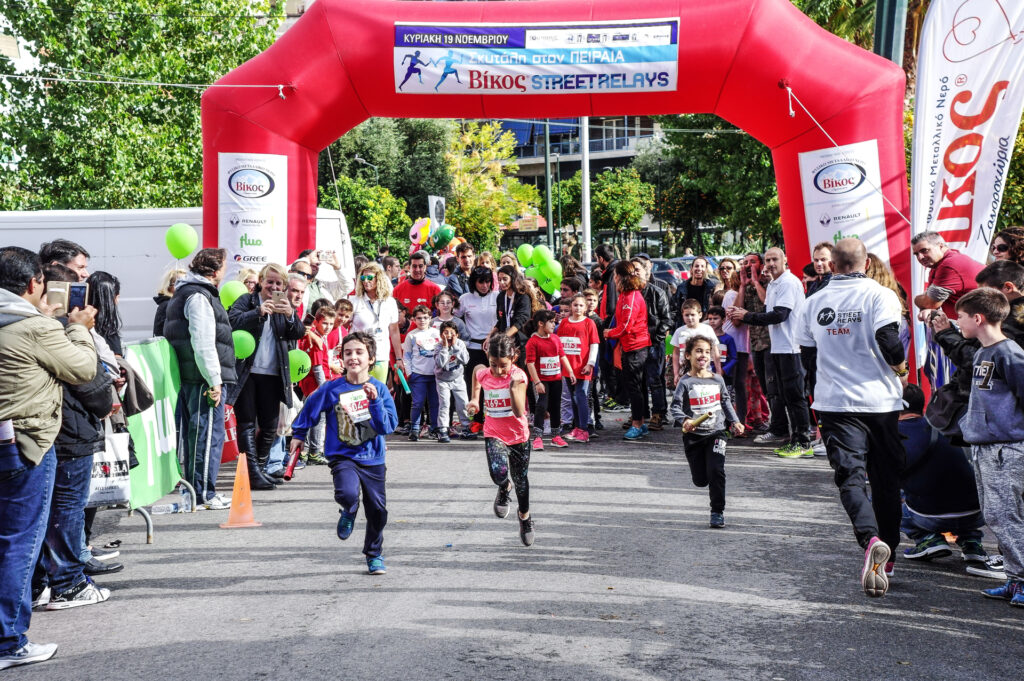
[
  {"x": 681, "y": 397},
  {"x": 462, "y": 353},
  {"x": 318, "y": 374},
  {"x": 202, "y": 331}
]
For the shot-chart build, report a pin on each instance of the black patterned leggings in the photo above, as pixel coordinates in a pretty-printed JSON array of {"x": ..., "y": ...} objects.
[{"x": 503, "y": 459}]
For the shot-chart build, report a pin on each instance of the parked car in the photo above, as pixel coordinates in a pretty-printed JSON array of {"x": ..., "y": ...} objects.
[
  {"x": 664, "y": 270},
  {"x": 682, "y": 263}
]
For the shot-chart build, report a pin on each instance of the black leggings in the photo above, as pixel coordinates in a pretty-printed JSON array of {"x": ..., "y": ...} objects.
[
  {"x": 549, "y": 403},
  {"x": 258, "y": 405},
  {"x": 503, "y": 460},
  {"x": 707, "y": 467},
  {"x": 633, "y": 377}
]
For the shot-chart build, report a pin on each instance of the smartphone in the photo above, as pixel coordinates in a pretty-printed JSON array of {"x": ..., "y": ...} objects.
[
  {"x": 278, "y": 296},
  {"x": 78, "y": 294},
  {"x": 57, "y": 294}
]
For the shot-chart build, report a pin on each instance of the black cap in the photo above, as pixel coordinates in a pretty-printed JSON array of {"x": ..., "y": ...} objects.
[{"x": 643, "y": 255}]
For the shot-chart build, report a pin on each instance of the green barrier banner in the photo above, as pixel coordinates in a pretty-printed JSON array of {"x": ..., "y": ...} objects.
[{"x": 153, "y": 431}]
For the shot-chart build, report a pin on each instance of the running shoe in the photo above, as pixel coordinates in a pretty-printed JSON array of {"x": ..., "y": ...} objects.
[
  {"x": 501, "y": 501},
  {"x": 557, "y": 441},
  {"x": 717, "y": 520},
  {"x": 40, "y": 597},
  {"x": 475, "y": 427},
  {"x": 991, "y": 568},
  {"x": 789, "y": 452},
  {"x": 317, "y": 459},
  {"x": 526, "y": 531},
  {"x": 84, "y": 593},
  {"x": 1012, "y": 591},
  {"x": 644, "y": 430},
  {"x": 217, "y": 503},
  {"x": 657, "y": 422},
  {"x": 890, "y": 568},
  {"x": 973, "y": 552},
  {"x": 932, "y": 546},
  {"x": 375, "y": 565},
  {"x": 443, "y": 438},
  {"x": 770, "y": 439},
  {"x": 582, "y": 436},
  {"x": 28, "y": 654},
  {"x": 402, "y": 429},
  {"x": 872, "y": 576},
  {"x": 819, "y": 448},
  {"x": 467, "y": 435},
  {"x": 633, "y": 434},
  {"x": 538, "y": 445},
  {"x": 345, "y": 524},
  {"x": 414, "y": 437}
]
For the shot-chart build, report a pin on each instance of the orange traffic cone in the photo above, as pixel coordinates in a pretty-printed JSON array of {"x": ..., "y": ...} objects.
[{"x": 240, "y": 514}]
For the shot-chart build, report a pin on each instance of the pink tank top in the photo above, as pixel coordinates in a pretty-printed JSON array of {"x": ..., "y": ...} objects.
[{"x": 499, "y": 420}]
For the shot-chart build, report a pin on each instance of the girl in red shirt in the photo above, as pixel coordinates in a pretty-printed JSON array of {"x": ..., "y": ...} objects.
[
  {"x": 546, "y": 362},
  {"x": 506, "y": 430},
  {"x": 634, "y": 338},
  {"x": 580, "y": 342}
]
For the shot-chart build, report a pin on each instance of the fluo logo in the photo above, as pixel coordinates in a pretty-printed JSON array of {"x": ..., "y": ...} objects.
[
  {"x": 839, "y": 178},
  {"x": 244, "y": 241},
  {"x": 250, "y": 183}
]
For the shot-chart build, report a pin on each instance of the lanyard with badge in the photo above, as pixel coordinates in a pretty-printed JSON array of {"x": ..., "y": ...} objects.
[
  {"x": 509, "y": 304},
  {"x": 376, "y": 316}
]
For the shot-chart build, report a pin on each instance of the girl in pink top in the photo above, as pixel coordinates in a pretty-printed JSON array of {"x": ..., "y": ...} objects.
[{"x": 506, "y": 428}]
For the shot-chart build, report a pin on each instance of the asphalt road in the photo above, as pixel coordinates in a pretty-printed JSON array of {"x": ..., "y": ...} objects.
[{"x": 625, "y": 581}]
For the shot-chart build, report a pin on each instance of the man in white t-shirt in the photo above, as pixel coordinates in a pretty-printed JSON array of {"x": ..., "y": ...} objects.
[
  {"x": 785, "y": 374},
  {"x": 854, "y": 324}
]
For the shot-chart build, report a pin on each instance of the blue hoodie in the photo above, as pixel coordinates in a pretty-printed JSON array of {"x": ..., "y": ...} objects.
[{"x": 380, "y": 418}]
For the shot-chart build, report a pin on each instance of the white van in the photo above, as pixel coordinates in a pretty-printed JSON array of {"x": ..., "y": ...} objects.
[{"x": 130, "y": 245}]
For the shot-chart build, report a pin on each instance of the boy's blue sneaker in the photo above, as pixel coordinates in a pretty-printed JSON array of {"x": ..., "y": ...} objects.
[
  {"x": 345, "y": 524},
  {"x": 633, "y": 433},
  {"x": 932, "y": 546},
  {"x": 1012, "y": 591},
  {"x": 717, "y": 520},
  {"x": 375, "y": 565},
  {"x": 644, "y": 430},
  {"x": 972, "y": 551}
]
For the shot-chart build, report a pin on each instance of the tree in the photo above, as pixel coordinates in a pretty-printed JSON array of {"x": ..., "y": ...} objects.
[
  {"x": 373, "y": 214},
  {"x": 81, "y": 145},
  {"x": 619, "y": 201},
  {"x": 408, "y": 153},
  {"x": 485, "y": 191}
]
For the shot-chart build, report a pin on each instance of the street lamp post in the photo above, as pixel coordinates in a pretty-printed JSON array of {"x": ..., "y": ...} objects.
[
  {"x": 376, "y": 174},
  {"x": 558, "y": 180}
]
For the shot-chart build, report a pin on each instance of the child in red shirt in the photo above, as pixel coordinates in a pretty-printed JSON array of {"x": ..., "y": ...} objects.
[
  {"x": 315, "y": 344},
  {"x": 580, "y": 342},
  {"x": 506, "y": 429},
  {"x": 546, "y": 363}
]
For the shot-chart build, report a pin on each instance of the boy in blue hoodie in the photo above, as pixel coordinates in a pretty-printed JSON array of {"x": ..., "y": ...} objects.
[
  {"x": 360, "y": 412},
  {"x": 994, "y": 427}
]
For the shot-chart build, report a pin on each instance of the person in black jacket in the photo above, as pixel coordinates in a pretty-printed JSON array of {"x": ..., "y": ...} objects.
[
  {"x": 514, "y": 308},
  {"x": 658, "y": 320},
  {"x": 163, "y": 297},
  {"x": 606, "y": 260},
  {"x": 700, "y": 287},
  {"x": 264, "y": 377}
]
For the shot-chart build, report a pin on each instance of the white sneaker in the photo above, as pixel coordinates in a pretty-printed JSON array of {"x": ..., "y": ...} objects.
[
  {"x": 217, "y": 503},
  {"x": 770, "y": 439},
  {"x": 42, "y": 599},
  {"x": 28, "y": 653},
  {"x": 89, "y": 594}
]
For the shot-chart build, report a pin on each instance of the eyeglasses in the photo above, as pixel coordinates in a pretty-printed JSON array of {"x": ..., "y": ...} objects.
[
  {"x": 367, "y": 277},
  {"x": 1000, "y": 248}
]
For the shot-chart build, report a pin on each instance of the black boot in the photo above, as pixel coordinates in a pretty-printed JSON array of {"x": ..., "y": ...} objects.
[{"x": 257, "y": 479}]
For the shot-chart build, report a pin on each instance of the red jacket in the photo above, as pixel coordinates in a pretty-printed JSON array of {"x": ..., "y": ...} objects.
[{"x": 630, "y": 322}]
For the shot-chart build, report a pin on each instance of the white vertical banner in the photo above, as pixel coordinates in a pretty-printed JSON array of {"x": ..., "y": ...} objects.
[
  {"x": 842, "y": 196},
  {"x": 252, "y": 209},
  {"x": 970, "y": 95}
]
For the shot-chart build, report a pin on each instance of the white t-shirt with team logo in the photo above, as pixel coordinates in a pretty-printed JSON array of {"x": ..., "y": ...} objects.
[
  {"x": 788, "y": 292},
  {"x": 841, "y": 321},
  {"x": 685, "y": 333}
]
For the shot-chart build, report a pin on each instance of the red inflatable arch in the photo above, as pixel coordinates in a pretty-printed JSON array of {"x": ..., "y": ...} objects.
[{"x": 338, "y": 67}]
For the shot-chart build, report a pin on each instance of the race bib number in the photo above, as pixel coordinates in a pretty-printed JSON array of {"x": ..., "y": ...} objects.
[
  {"x": 498, "y": 403},
  {"x": 549, "y": 366},
  {"x": 572, "y": 345},
  {"x": 352, "y": 413}
]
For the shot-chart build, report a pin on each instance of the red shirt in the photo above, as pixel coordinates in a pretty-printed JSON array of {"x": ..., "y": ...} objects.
[
  {"x": 956, "y": 273},
  {"x": 409, "y": 294},
  {"x": 577, "y": 337},
  {"x": 630, "y": 322},
  {"x": 317, "y": 357},
  {"x": 545, "y": 354}
]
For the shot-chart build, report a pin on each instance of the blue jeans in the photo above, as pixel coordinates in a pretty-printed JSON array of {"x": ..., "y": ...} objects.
[
  {"x": 25, "y": 492},
  {"x": 200, "y": 438},
  {"x": 349, "y": 478},
  {"x": 424, "y": 389},
  {"x": 60, "y": 563},
  {"x": 580, "y": 405},
  {"x": 278, "y": 455},
  {"x": 918, "y": 527}
]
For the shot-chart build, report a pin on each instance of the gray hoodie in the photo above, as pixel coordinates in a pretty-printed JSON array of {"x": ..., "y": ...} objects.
[{"x": 995, "y": 412}]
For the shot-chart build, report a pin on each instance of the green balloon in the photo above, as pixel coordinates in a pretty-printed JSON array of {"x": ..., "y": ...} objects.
[
  {"x": 549, "y": 286},
  {"x": 525, "y": 254},
  {"x": 551, "y": 269},
  {"x": 245, "y": 344},
  {"x": 232, "y": 291},
  {"x": 444, "y": 234},
  {"x": 298, "y": 364},
  {"x": 541, "y": 254},
  {"x": 533, "y": 273},
  {"x": 181, "y": 239},
  {"x": 668, "y": 345}
]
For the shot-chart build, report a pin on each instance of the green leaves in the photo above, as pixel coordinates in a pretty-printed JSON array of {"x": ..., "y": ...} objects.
[
  {"x": 373, "y": 214},
  {"x": 82, "y": 145}
]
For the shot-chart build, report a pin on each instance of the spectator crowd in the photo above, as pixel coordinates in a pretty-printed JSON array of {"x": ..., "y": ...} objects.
[{"x": 469, "y": 348}]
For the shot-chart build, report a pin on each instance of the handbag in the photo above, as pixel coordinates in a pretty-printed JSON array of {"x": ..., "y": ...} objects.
[
  {"x": 110, "y": 483},
  {"x": 945, "y": 410}
]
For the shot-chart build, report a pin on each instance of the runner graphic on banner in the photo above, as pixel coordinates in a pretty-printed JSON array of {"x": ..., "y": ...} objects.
[{"x": 593, "y": 56}]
